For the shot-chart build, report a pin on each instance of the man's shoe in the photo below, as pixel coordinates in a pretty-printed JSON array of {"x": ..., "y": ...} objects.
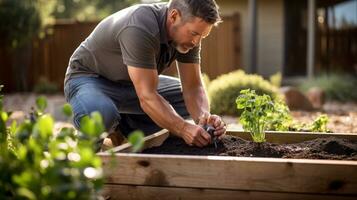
[{"x": 112, "y": 140}]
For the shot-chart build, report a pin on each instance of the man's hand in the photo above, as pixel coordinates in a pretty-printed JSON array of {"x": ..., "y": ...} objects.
[
  {"x": 215, "y": 121},
  {"x": 195, "y": 135}
]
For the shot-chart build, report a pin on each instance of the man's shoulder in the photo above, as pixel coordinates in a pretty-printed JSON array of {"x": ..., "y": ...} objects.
[
  {"x": 149, "y": 10},
  {"x": 147, "y": 17}
]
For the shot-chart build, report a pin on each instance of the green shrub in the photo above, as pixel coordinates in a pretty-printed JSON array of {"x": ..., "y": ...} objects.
[
  {"x": 340, "y": 87},
  {"x": 206, "y": 80},
  {"x": 224, "y": 90},
  {"x": 35, "y": 163},
  {"x": 44, "y": 86},
  {"x": 276, "y": 79},
  {"x": 21, "y": 20}
]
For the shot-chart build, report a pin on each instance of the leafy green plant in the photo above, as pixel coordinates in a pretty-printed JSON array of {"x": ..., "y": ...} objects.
[
  {"x": 20, "y": 20},
  {"x": 136, "y": 139},
  {"x": 320, "y": 124},
  {"x": 206, "y": 80},
  {"x": 37, "y": 163},
  {"x": 280, "y": 119},
  {"x": 44, "y": 165},
  {"x": 86, "y": 10},
  {"x": 224, "y": 90},
  {"x": 44, "y": 86},
  {"x": 261, "y": 113},
  {"x": 276, "y": 79},
  {"x": 255, "y": 113}
]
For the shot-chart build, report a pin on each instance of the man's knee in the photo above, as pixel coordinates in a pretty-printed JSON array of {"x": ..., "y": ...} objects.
[{"x": 84, "y": 105}]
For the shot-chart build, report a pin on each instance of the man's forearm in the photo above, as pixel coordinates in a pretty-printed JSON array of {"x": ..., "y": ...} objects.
[
  {"x": 162, "y": 113},
  {"x": 196, "y": 102}
]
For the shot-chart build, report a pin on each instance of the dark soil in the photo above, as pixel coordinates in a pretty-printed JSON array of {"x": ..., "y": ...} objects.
[{"x": 322, "y": 148}]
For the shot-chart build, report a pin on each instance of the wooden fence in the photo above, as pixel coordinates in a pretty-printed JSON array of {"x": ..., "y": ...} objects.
[
  {"x": 48, "y": 58},
  {"x": 336, "y": 50}
]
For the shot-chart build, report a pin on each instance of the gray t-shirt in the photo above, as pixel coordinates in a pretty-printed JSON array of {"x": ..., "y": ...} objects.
[{"x": 134, "y": 36}]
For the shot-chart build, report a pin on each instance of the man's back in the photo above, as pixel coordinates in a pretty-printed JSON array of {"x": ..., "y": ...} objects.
[{"x": 101, "y": 53}]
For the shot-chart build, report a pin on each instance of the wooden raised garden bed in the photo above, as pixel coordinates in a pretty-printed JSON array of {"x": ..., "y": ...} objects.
[{"x": 149, "y": 176}]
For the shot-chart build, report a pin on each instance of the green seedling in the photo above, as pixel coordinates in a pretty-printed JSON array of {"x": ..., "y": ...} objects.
[
  {"x": 260, "y": 113},
  {"x": 255, "y": 113}
]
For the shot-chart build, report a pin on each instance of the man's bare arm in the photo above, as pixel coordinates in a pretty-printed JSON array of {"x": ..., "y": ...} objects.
[
  {"x": 196, "y": 99},
  {"x": 160, "y": 111},
  {"x": 193, "y": 91}
]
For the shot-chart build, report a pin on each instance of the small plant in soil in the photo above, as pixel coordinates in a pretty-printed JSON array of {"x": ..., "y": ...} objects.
[
  {"x": 256, "y": 109},
  {"x": 261, "y": 113}
]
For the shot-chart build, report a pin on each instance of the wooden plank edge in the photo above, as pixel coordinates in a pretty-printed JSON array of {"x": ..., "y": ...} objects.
[
  {"x": 261, "y": 174},
  {"x": 292, "y": 137},
  {"x": 106, "y": 156},
  {"x": 123, "y": 192},
  {"x": 292, "y": 132},
  {"x": 152, "y": 140}
]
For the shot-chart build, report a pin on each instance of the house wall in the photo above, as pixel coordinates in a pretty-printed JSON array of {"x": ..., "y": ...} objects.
[{"x": 270, "y": 49}]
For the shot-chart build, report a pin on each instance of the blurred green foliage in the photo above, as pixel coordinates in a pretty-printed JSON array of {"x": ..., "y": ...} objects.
[
  {"x": 136, "y": 139},
  {"x": 21, "y": 20},
  {"x": 276, "y": 79},
  {"x": 38, "y": 163},
  {"x": 84, "y": 10},
  {"x": 337, "y": 86},
  {"x": 206, "y": 80},
  {"x": 35, "y": 163},
  {"x": 44, "y": 86},
  {"x": 320, "y": 124}
]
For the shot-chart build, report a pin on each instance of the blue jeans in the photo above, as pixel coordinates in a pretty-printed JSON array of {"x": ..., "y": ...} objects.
[{"x": 118, "y": 103}]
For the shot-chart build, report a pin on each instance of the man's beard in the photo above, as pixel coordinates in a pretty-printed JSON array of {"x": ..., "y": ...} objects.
[
  {"x": 180, "y": 48},
  {"x": 176, "y": 45}
]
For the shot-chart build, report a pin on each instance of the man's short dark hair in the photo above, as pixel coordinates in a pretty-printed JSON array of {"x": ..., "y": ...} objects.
[{"x": 204, "y": 9}]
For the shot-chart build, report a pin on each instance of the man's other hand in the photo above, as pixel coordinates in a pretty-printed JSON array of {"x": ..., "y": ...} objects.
[{"x": 216, "y": 122}]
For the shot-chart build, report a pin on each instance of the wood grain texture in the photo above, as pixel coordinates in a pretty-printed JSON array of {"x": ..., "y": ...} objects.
[
  {"x": 128, "y": 192},
  {"x": 234, "y": 173},
  {"x": 288, "y": 137}
]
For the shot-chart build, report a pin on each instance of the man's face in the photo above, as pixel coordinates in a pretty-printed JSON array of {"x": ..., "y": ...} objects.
[{"x": 187, "y": 35}]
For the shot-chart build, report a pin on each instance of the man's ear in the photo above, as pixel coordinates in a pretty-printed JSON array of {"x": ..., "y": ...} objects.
[{"x": 174, "y": 16}]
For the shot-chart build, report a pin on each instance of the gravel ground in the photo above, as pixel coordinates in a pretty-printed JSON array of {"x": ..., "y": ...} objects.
[
  {"x": 342, "y": 116},
  {"x": 22, "y": 103}
]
